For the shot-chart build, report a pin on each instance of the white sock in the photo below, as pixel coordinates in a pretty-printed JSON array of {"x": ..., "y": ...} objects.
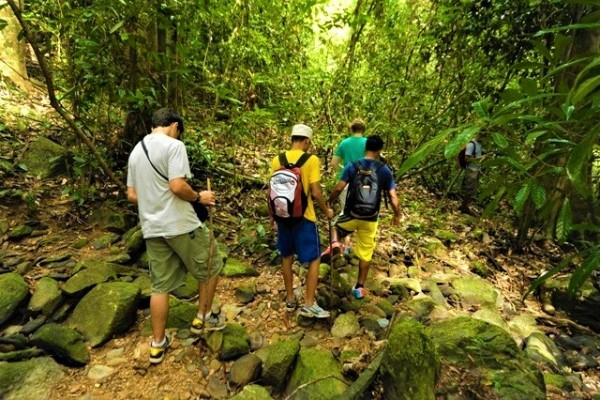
[
  {"x": 161, "y": 344},
  {"x": 203, "y": 316}
]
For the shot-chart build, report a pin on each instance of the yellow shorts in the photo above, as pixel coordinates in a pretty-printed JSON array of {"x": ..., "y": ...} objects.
[{"x": 365, "y": 232}]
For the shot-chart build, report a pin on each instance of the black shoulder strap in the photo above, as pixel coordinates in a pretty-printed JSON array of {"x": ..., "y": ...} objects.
[
  {"x": 284, "y": 162},
  {"x": 303, "y": 158},
  {"x": 147, "y": 155}
]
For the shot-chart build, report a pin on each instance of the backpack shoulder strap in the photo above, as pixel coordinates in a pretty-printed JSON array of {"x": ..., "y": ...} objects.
[
  {"x": 303, "y": 158},
  {"x": 283, "y": 162}
]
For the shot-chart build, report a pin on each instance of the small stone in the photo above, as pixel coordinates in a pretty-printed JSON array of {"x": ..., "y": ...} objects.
[
  {"x": 257, "y": 340},
  {"x": 100, "y": 373},
  {"x": 214, "y": 365}
]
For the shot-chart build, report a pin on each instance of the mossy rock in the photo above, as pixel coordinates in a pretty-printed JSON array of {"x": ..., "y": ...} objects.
[
  {"x": 109, "y": 217},
  {"x": 47, "y": 296},
  {"x": 479, "y": 268},
  {"x": 253, "y": 392},
  {"x": 445, "y": 235},
  {"x": 105, "y": 240},
  {"x": 181, "y": 315},
  {"x": 31, "y": 379},
  {"x": 409, "y": 371},
  {"x": 474, "y": 345},
  {"x": 235, "y": 342},
  {"x": 314, "y": 364},
  {"x": 562, "y": 383},
  {"x": 235, "y": 267},
  {"x": 108, "y": 309},
  {"x": 37, "y": 155},
  {"x": 66, "y": 344},
  {"x": 19, "y": 232},
  {"x": 93, "y": 273},
  {"x": 476, "y": 291},
  {"x": 145, "y": 285},
  {"x": 134, "y": 243},
  {"x": 13, "y": 291},
  {"x": 277, "y": 359}
]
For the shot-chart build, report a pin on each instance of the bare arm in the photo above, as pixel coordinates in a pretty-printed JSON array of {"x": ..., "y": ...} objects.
[
  {"x": 335, "y": 161},
  {"x": 184, "y": 191},
  {"x": 317, "y": 195},
  {"x": 395, "y": 206},
  {"x": 335, "y": 192},
  {"x": 132, "y": 194}
]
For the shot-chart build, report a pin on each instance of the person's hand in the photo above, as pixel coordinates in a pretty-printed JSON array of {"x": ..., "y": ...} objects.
[
  {"x": 396, "y": 220},
  {"x": 207, "y": 197},
  {"x": 329, "y": 214}
]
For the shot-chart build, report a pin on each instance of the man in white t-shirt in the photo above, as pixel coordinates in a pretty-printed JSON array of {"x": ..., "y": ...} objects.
[{"x": 176, "y": 240}]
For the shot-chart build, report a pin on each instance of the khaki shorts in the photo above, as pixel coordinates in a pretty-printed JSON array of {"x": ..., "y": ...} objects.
[
  {"x": 171, "y": 259},
  {"x": 365, "y": 232}
]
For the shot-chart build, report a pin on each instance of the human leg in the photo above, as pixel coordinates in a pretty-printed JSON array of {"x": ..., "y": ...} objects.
[
  {"x": 306, "y": 241},
  {"x": 365, "y": 245},
  {"x": 204, "y": 263},
  {"x": 167, "y": 273},
  {"x": 159, "y": 313}
]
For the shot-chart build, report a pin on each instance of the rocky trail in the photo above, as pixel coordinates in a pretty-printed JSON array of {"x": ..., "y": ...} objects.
[{"x": 443, "y": 313}]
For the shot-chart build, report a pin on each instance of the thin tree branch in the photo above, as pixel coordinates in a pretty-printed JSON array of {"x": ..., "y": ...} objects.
[{"x": 54, "y": 101}]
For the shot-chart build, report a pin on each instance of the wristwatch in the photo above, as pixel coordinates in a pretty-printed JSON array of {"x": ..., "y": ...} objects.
[{"x": 198, "y": 198}]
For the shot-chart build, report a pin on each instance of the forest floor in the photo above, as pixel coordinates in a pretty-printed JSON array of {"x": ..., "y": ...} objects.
[{"x": 192, "y": 371}]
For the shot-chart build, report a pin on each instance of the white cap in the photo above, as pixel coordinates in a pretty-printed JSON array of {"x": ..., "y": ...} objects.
[{"x": 302, "y": 130}]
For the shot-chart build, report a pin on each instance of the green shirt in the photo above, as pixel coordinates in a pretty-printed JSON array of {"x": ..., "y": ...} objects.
[{"x": 350, "y": 149}]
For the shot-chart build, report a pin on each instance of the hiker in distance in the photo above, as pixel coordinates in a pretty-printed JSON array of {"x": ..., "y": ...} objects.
[
  {"x": 367, "y": 180},
  {"x": 349, "y": 150},
  {"x": 293, "y": 189},
  {"x": 176, "y": 240},
  {"x": 470, "y": 185}
]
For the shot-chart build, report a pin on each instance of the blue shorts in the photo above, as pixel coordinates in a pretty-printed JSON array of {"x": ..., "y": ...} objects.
[{"x": 301, "y": 239}]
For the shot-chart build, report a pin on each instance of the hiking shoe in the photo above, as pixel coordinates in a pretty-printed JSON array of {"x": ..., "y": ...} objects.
[
  {"x": 291, "y": 305},
  {"x": 212, "y": 323},
  {"x": 157, "y": 354},
  {"x": 333, "y": 249},
  {"x": 359, "y": 293},
  {"x": 313, "y": 311}
]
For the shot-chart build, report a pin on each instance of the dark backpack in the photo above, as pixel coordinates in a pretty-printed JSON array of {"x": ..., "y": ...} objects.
[
  {"x": 364, "y": 192},
  {"x": 287, "y": 200},
  {"x": 461, "y": 159}
]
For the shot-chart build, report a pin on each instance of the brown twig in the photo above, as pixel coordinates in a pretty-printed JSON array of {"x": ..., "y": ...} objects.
[{"x": 54, "y": 101}]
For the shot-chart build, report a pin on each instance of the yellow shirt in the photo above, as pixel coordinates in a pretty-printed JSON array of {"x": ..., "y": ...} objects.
[{"x": 310, "y": 173}]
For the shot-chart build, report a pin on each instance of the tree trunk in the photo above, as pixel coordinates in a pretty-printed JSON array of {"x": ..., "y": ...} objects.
[{"x": 13, "y": 50}]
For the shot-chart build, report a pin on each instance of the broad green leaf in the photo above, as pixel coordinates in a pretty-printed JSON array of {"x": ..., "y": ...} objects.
[
  {"x": 568, "y": 28},
  {"x": 528, "y": 86},
  {"x": 538, "y": 195},
  {"x": 493, "y": 205},
  {"x": 511, "y": 162},
  {"x": 522, "y": 196},
  {"x": 3, "y": 24},
  {"x": 542, "y": 49},
  {"x": 544, "y": 277},
  {"x": 480, "y": 110},
  {"x": 423, "y": 151},
  {"x": 500, "y": 140},
  {"x": 117, "y": 26},
  {"x": 578, "y": 163},
  {"x": 583, "y": 272},
  {"x": 561, "y": 44},
  {"x": 565, "y": 221},
  {"x": 581, "y": 91},
  {"x": 532, "y": 136},
  {"x": 460, "y": 141}
]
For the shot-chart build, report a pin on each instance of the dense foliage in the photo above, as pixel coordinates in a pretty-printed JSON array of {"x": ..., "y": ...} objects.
[{"x": 426, "y": 75}]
